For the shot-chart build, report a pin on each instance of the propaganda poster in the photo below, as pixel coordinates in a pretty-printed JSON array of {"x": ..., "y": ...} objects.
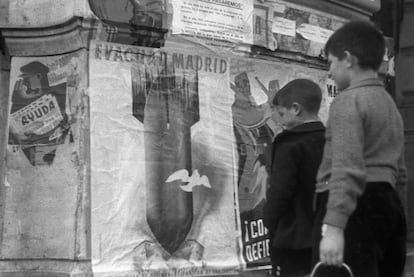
[
  {"x": 44, "y": 159},
  {"x": 255, "y": 124},
  {"x": 162, "y": 161}
]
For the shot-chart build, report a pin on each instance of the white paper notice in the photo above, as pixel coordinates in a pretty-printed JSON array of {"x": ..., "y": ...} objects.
[
  {"x": 230, "y": 20},
  {"x": 284, "y": 26},
  {"x": 278, "y": 7},
  {"x": 314, "y": 33}
]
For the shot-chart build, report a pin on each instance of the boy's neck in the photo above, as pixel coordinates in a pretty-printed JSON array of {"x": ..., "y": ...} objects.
[
  {"x": 307, "y": 119},
  {"x": 362, "y": 74},
  {"x": 311, "y": 119},
  {"x": 308, "y": 116}
]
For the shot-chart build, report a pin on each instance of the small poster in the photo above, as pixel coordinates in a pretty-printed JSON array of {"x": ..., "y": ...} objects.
[
  {"x": 284, "y": 26},
  {"x": 42, "y": 92},
  {"x": 314, "y": 33},
  {"x": 215, "y": 19}
]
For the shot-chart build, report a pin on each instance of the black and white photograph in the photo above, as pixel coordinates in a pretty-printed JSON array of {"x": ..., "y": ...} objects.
[{"x": 181, "y": 138}]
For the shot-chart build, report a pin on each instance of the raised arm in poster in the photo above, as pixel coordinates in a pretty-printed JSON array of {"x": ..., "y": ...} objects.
[
  {"x": 162, "y": 163},
  {"x": 39, "y": 111},
  {"x": 254, "y": 84}
]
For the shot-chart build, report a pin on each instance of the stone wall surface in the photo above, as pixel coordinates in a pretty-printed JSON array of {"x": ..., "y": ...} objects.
[{"x": 40, "y": 13}]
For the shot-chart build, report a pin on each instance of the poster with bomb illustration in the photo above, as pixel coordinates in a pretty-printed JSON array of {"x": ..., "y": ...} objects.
[
  {"x": 162, "y": 163},
  {"x": 254, "y": 84},
  {"x": 40, "y": 105}
]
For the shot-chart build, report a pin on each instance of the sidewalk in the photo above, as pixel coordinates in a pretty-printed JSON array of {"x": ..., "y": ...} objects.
[{"x": 409, "y": 268}]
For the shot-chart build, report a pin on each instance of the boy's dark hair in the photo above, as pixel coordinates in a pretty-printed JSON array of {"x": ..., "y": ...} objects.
[
  {"x": 362, "y": 39},
  {"x": 302, "y": 91}
]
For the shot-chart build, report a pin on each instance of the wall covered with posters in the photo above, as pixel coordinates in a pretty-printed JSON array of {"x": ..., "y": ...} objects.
[
  {"x": 164, "y": 122},
  {"x": 235, "y": 24},
  {"x": 180, "y": 148}
]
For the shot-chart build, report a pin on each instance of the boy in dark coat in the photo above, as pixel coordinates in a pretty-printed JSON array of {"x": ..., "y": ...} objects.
[{"x": 297, "y": 153}]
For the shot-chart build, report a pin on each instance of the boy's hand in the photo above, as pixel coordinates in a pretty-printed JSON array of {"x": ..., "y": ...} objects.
[{"x": 331, "y": 248}]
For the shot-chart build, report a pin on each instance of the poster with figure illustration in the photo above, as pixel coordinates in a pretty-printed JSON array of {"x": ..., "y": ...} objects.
[
  {"x": 40, "y": 115},
  {"x": 255, "y": 83},
  {"x": 45, "y": 159},
  {"x": 162, "y": 163}
]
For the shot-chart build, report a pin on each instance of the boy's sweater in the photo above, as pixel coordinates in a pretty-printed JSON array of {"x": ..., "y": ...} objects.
[{"x": 364, "y": 143}]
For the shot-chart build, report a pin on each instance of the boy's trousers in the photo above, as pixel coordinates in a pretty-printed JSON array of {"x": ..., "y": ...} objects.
[
  {"x": 375, "y": 235},
  {"x": 290, "y": 262}
]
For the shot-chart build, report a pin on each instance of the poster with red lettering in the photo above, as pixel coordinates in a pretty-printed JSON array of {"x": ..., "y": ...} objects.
[
  {"x": 255, "y": 83},
  {"x": 162, "y": 163}
]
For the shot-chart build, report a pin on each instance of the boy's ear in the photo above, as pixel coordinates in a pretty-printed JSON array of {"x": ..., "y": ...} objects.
[
  {"x": 350, "y": 59},
  {"x": 297, "y": 108}
]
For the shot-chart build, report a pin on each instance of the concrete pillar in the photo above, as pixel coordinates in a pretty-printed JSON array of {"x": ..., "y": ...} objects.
[{"x": 44, "y": 201}]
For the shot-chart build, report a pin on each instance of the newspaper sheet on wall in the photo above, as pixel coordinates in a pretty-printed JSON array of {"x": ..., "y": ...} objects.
[
  {"x": 227, "y": 20},
  {"x": 255, "y": 83},
  {"x": 162, "y": 163}
]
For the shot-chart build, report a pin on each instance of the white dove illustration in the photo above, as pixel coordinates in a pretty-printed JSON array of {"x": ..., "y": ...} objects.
[{"x": 194, "y": 180}]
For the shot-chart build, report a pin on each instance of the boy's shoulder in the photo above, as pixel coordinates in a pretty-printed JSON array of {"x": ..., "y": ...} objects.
[
  {"x": 362, "y": 89},
  {"x": 361, "y": 94},
  {"x": 305, "y": 140},
  {"x": 305, "y": 128},
  {"x": 300, "y": 132}
]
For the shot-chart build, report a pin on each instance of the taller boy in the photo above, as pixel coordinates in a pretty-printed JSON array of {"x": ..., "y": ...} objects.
[{"x": 359, "y": 213}]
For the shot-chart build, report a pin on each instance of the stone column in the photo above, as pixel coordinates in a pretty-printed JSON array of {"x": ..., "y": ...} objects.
[{"x": 44, "y": 188}]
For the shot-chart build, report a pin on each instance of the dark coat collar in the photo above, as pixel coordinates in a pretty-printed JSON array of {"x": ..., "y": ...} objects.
[
  {"x": 303, "y": 128},
  {"x": 308, "y": 127}
]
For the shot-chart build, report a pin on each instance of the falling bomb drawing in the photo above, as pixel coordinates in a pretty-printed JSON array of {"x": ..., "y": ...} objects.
[{"x": 167, "y": 104}]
